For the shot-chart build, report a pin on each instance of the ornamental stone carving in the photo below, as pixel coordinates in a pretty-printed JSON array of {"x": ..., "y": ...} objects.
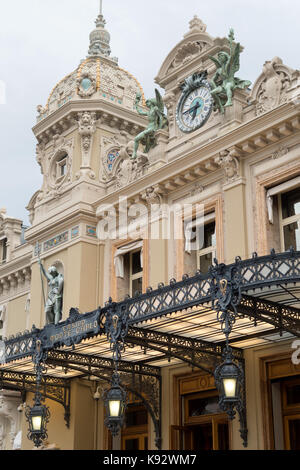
[
  {"x": 271, "y": 88},
  {"x": 117, "y": 169},
  {"x": 131, "y": 170},
  {"x": 40, "y": 156},
  {"x": 87, "y": 129},
  {"x": 15, "y": 283},
  {"x": 169, "y": 101},
  {"x": 230, "y": 164},
  {"x": 87, "y": 84},
  {"x": 153, "y": 195},
  {"x": 112, "y": 150},
  {"x": 57, "y": 167},
  {"x": 188, "y": 52},
  {"x": 196, "y": 26},
  {"x": 9, "y": 418}
]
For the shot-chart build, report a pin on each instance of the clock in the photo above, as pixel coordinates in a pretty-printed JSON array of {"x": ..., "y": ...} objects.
[{"x": 195, "y": 104}]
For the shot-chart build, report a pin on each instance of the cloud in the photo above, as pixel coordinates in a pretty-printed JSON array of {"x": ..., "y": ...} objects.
[{"x": 42, "y": 41}]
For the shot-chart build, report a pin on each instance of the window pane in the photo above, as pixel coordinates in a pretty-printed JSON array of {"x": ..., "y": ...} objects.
[
  {"x": 136, "y": 417},
  {"x": 137, "y": 285},
  {"x": 206, "y": 262},
  {"x": 136, "y": 263},
  {"x": 293, "y": 395},
  {"x": 4, "y": 249},
  {"x": 63, "y": 170},
  {"x": 291, "y": 203},
  {"x": 291, "y": 235},
  {"x": 206, "y": 238},
  {"x": 204, "y": 406},
  {"x": 209, "y": 235}
]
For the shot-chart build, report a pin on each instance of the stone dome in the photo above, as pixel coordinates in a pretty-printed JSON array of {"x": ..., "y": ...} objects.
[{"x": 96, "y": 77}]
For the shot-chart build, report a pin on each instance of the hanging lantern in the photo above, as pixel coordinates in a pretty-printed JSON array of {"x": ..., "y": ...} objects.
[
  {"x": 37, "y": 417},
  {"x": 229, "y": 378},
  {"x": 115, "y": 405}
]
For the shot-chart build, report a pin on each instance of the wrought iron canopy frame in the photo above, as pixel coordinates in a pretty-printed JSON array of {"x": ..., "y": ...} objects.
[
  {"x": 53, "y": 388},
  {"x": 279, "y": 269},
  {"x": 226, "y": 288}
]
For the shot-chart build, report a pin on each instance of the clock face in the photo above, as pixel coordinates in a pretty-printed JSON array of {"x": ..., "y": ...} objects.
[{"x": 194, "y": 108}]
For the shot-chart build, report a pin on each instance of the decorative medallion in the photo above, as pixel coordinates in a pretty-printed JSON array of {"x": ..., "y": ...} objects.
[
  {"x": 195, "y": 104},
  {"x": 87, "y": 84}
]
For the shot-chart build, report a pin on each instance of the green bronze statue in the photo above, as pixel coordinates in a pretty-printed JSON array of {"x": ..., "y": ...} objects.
[
  {"x": 157, "y": 120},
  {"x": 224, "y": 82},
  {"x": 53, "y": 304}
]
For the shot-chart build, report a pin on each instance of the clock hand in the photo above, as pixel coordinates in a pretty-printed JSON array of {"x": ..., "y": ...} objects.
[
  {"x": 195, "y": 111},
  {"x": 192, "y": 109}
]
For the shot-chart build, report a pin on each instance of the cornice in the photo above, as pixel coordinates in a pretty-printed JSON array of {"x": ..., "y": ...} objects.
[
  {"x": 15, "y": 265},
  {"x": 78, "y": 213},
  {"x": 199, "y": 161},
  {"x": 63, "y": 118}
]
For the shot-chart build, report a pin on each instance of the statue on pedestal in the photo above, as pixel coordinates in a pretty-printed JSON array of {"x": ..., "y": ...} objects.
[{"x": 53, "y": 304}]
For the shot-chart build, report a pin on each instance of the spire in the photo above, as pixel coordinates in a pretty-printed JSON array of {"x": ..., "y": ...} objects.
[{"x": 100, "y": 38}]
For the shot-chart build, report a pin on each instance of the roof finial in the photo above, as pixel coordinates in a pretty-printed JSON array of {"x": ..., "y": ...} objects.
[{"x": 100, "y": 37}]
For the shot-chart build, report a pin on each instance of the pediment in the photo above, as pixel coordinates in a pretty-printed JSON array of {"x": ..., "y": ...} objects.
[{"x": 192, "y": 46}]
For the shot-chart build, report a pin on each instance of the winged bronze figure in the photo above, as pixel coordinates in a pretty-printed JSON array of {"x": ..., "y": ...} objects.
[
  {"x": 224, "y": 82},
  {"x": 157, "y": 120}
]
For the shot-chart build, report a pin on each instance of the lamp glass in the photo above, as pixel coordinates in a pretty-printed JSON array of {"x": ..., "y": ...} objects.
[
  {"x": 114, "y": 408},
  {"x": 230, "y": 387},
  {"x": 36, "y": 423}
]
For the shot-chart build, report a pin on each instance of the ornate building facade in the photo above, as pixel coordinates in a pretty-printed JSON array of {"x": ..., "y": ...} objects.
[{"x": 241, "y": 165}]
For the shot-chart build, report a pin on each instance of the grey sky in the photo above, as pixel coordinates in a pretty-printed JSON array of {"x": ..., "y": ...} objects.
[{"x": 43, "y": 40}]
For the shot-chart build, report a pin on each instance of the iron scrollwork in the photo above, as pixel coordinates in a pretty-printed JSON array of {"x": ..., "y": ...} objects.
[
  {"x": 226, "y": 296},
  {"x": 116, "y": 327}
]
